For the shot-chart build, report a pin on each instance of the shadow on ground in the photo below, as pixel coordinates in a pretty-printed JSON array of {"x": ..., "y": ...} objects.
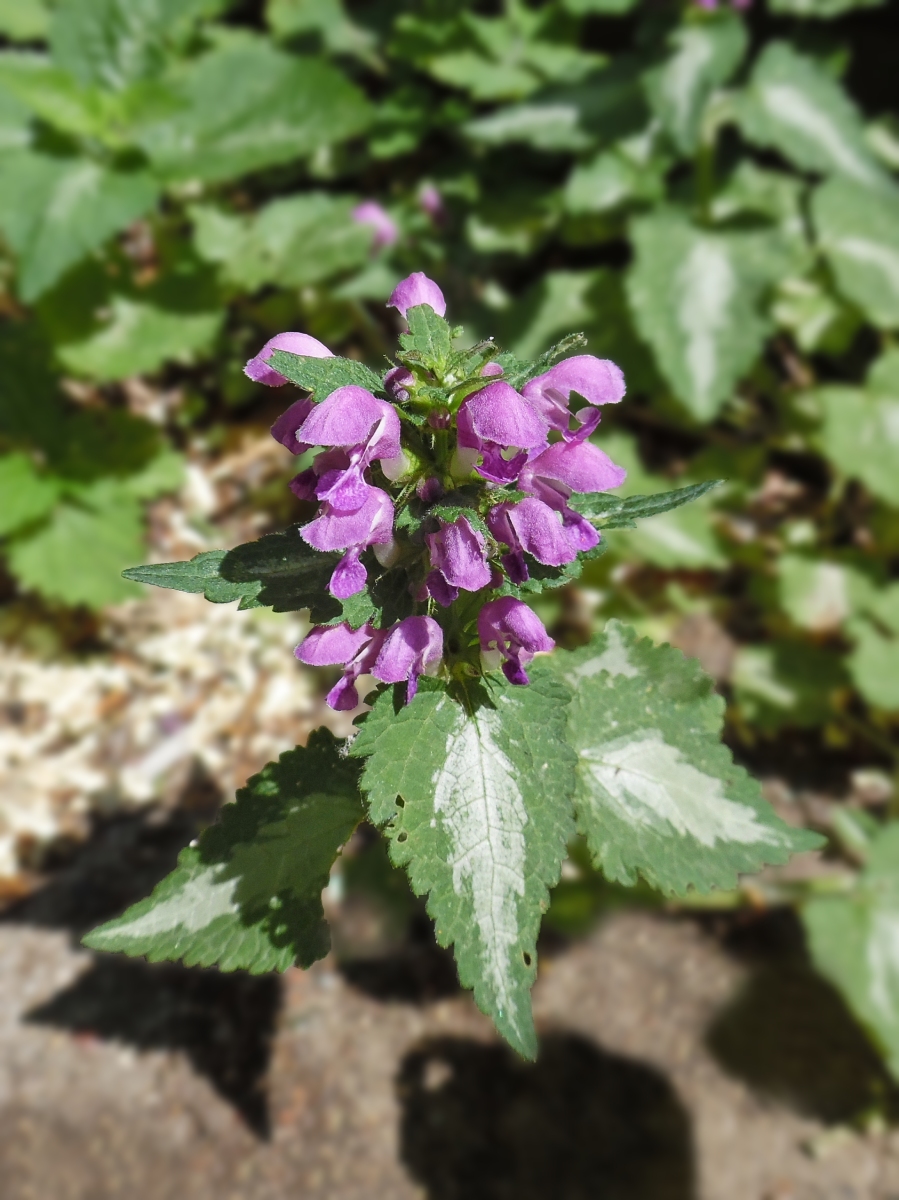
[
  {"x": 789, "y": 1035},
  {"x": 223, "y": 1023},
  {"x": 479, "y": 1124}
]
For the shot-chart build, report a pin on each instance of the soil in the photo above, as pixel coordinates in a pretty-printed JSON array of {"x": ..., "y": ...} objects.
[{"x": 681, "y": 1058}]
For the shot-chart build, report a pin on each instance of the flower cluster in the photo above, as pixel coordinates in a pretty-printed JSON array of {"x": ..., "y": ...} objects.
[{"x": 456, "y": 484}]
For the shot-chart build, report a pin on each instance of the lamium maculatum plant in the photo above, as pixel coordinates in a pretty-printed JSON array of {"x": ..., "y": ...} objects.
[{"x": 451, "y": 491}]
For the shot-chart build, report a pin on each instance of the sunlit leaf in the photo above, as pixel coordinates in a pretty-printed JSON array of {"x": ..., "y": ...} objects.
[
  {"x": 248, "y": 895},
  {"x": 475, "y": 799}
]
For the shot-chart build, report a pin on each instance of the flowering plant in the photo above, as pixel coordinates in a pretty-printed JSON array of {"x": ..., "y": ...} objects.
[{"x": 449, "y": 492}]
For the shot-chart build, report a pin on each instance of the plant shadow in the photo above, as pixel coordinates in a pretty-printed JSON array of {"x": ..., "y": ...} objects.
[
  {"x": 477, "y": 1123},
  {"x": 789, "y": 1035},
  {"x": 223, "y": 1023}
]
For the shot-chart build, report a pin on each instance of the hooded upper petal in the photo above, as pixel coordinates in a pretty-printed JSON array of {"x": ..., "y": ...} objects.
[
  {"x": 417, "y": 289},
  {"x": 598, "y": 380},
  {"x": 352, "y": 416},
  {"x": 294, "y": 343},
  {"x": 285, "y": 428},
  {"x": 498, "y": 414}
]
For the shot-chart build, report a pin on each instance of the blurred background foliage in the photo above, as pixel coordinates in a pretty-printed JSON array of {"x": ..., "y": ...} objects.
[{"x": 709, "y": 194}]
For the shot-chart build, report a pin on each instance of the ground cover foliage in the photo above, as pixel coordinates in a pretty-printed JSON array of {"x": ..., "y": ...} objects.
[{"x": 709, "y": 195}]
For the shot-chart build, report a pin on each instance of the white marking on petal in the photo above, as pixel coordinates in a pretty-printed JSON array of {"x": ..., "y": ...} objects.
[
  {"x": 706, "y": 285},
  {"x": 477, "y": 794},
  {"x": 649, "y": 783}
]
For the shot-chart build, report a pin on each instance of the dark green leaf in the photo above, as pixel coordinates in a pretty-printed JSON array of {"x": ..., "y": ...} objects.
[
  {"x": 618, "y": 512},
  {"x": 248, "y": 896},
  {"x": 322, "y": 376}
]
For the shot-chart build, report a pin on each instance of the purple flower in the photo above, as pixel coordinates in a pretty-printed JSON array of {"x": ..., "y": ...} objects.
[
  {"x": 598, "y": 380},
  {"x": 432, "y": 202},
  {"x": 352, "y": 416},
  {"x": 285, "y": 428},
  {"x": 492, "y": 368},
  {"x": 258, "y": 369},
  {"x": 351, "y": 529},
  {"x": 533, "y": 527},
  {"x": 354, "y": 420},
  {"x": 354, "y": 649},
  {"x": 397, "y": 381},
  {"x": 496, "y": 420},
  {"x": 410, "y": 647},
  {"x": 458, "y": 556},
  {"x": 369, "y": 212},
  {"x": 417, "y": 289},
  {"x": 568, "y": 467},
  {"x": 516, "y": 632},
  {"x": 401, "y": 653}
]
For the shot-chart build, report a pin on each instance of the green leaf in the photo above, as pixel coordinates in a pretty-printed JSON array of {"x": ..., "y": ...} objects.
[
  {"x": 611, "y": 179},
  {"x": 56, "y": 211},
  {"x": 684, "y": 537},
  {"x": 25, "y": 494},
  {"x": 476, "y": 800},
  {"x": 822, "y": 9},
  {"x": 874, "y": 665},
  {"x": 24, "y": 20},
  {"x": 77, "y": 556},
  {"x": 702, "y": 57},
  {"x": 858, "y": 231},
  {"x": 322, "y": 376},
  {"x": 293, "y": 242},
  {"x": 852, "y": 939},
  {"x": 285, "y": 108},
  {"x": 793, "y": 106},
  {"x": 279, "y": 571},
  {"x": 695, "y": 297},
  {"x": 860, "y": 436},
  {"x": 786, "y": 684},
  {"x": 328, "y": 18},
  {"x": 248, "y": 896},
  {"x": 428, "y": 339},
  {"x": 619, "y": 512},
  {"x": 201, "y": 574},
  {"x": 658, "y": 794},
  {"x": 109, "y": 330}
]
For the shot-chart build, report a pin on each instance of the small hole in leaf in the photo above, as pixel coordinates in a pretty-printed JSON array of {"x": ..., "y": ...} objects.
[
  {"x": 527, "y": 959},
  {"x": 400, "y": 802},
  {"x": 401, "y": 837}
]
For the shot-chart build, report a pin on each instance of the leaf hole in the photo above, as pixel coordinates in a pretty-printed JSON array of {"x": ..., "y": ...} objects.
[
  {"x": 401, "y": 837},
  {"x": 527, "y": 959},
  {"x": 400, "y": 802}
]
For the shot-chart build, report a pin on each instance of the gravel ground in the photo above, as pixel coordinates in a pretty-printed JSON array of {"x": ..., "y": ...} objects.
[{"x": 681, "y": 1059}]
